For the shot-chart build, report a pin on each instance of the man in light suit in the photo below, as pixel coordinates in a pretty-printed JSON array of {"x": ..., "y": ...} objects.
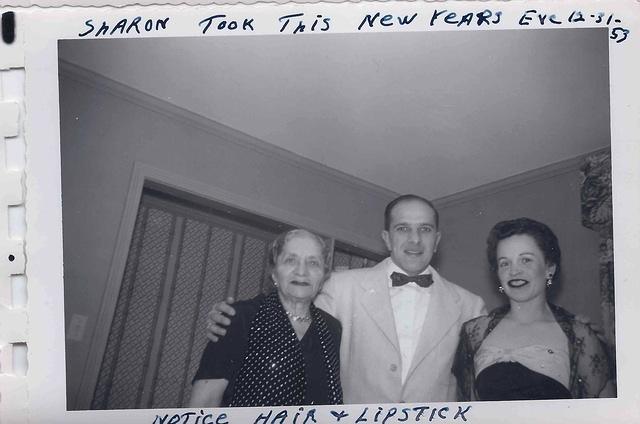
[{"x": 400, "y": 319}]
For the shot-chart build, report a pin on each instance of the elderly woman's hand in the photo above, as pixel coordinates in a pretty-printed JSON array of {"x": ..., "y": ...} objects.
[{"x": 218, "y": 319}]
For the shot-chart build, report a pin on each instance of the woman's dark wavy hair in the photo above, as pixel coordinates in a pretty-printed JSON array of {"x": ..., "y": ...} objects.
[{"x": 542, "y": 234}]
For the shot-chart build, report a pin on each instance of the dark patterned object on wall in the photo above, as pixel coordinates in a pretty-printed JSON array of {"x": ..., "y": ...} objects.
[{"x": 597, "y": 215}]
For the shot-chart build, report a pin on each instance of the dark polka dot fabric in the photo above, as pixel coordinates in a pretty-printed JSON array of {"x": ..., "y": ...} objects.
[{"x": 273, "y": 371}]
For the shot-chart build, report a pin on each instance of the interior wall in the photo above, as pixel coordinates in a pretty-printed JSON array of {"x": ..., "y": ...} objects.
[
  {"x": 102, "y": 135},
  {"x": 555, "y": 201}
]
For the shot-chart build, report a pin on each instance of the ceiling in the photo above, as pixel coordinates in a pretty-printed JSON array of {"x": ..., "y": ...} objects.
[{"x": 433, "y": 113}]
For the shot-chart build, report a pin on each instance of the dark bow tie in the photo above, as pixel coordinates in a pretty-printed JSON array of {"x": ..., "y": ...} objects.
[{"x": 423, "y": 280}]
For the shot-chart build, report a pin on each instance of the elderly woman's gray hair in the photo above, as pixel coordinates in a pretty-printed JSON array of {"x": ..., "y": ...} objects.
[{"x": 278, "y": 245}]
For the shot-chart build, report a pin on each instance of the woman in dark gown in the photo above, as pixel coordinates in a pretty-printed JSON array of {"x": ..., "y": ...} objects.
[{"x": 529, "y": 349}]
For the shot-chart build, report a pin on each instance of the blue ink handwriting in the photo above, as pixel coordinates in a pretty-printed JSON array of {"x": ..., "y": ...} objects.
[
  {"x": 379, "y": 415},
  {"x": 281, "y": 417},
  {"x": 415, "y": 414},
  {"x": 124, "y": 26},
  {"x": 222, "y": 23},
  {"x": 386, "y": 20},
  {"x": 185, "y": 418},
  {"x": 319, "y": 23},
  {"x": 338, "y": 415},
  {"x": 616, "y": 33},
  {"x": 486, "y": 17}
]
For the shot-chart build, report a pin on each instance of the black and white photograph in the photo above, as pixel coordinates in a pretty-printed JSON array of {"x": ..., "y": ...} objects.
[{"x": 379, "y": 218}]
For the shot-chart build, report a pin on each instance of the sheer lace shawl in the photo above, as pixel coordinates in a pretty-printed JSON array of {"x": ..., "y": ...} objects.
[{"x": 590, "y": 367}]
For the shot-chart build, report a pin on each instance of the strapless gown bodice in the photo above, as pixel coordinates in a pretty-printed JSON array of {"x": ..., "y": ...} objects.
[{"x": 529, "y": 372}]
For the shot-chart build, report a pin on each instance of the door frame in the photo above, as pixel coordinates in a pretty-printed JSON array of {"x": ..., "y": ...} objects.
[{"x": 146, "y": 175}]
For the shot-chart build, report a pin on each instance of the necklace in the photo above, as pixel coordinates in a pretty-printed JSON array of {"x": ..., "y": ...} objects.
[{"x": 305, "y": 318}]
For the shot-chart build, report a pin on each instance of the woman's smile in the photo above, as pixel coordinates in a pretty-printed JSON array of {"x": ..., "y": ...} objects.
[
  {"x": 300, "y": 283},
  {"x": 517, "y": 283}
]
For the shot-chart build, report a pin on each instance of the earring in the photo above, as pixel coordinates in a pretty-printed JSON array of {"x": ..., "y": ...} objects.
[
  {"x": 275, "y": 284},
  {"x": 501, "y": 289},
  {"x": 549, "y": 280}
]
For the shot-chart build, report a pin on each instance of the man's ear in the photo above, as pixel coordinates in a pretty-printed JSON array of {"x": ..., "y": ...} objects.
[
  {"x": 438, "y": 237},
  {"x": 386, "y": 238}
]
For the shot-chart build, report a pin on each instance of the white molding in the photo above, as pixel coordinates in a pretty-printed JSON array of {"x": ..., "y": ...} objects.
[
  {"x": 149, "y": 102},
  {"x": 515, "y": 181},
  {"x": 100, "y": 335},
  {"x": 207, "y": 191}
]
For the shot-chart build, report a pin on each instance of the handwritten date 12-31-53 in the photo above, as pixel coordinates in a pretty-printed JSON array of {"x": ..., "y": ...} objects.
[{"x": 616, "y": 31}]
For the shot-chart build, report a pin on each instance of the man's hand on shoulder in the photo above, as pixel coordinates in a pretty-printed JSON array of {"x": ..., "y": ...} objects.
[{"x": 218, "y": 319}]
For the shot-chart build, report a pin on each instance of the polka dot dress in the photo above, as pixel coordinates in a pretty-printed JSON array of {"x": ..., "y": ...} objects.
[{"x": 273, "y": 371}]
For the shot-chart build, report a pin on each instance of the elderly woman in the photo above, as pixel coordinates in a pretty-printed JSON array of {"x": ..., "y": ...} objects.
[
  {"x": 528, "y": 349},
  {"x": 279, "y": 349}
]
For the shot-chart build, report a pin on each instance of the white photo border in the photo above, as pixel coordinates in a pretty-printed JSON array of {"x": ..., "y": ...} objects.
[{"x": 46, "y": 341}]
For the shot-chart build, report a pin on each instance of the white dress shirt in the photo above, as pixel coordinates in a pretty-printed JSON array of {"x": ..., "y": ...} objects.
[{"x": 410, "y": 303}]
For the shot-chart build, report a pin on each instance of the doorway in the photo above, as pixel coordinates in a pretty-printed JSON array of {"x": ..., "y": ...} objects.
[{"x": 184, "y": 256}]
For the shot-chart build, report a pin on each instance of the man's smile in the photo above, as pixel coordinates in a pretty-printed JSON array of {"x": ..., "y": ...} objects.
[{"x": 414, "y": 252}]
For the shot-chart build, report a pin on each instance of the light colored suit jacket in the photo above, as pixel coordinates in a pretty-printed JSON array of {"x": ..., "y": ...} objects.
[{"x": 370, "y": 354}]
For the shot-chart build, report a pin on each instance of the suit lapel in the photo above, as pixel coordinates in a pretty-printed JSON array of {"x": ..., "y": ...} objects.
[
  {"x": 376, "y": 302},
  {"x": 444, "y": 311}
]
